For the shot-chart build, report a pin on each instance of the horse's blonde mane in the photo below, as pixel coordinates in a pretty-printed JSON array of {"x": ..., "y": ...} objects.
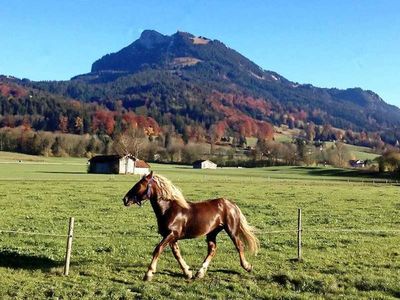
[{"x": 170, "y": 192}]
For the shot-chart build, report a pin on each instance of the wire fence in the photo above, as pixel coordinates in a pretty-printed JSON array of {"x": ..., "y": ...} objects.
[
  {"x": 31, "y": 233},
  {"x": 75, "y": 236},
  {"x": 395, "y": 231},
  {"x": 352, "y": 230},
  {"x": 299, "y": 231}
]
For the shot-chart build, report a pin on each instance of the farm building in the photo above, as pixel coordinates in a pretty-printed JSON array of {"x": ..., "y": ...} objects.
[
  {"x": 357, "y": 163},
  {"x": 116, "y": 164},
  {"x": 204, "y": 164}
]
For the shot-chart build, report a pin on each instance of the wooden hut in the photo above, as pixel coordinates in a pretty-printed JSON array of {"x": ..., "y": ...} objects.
[
  {"x": 204, "y": 164},
  {"x": 116, "y": 164}
]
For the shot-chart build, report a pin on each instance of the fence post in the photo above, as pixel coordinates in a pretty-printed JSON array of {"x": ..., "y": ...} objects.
[
  {"x": 69, "y": 245},
  {"x": 299, "y": 230}
]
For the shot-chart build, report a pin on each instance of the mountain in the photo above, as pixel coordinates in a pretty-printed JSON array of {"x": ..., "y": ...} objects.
[
  {"x": 200, "y": 85},
  {"x": 211, "y": 66}
]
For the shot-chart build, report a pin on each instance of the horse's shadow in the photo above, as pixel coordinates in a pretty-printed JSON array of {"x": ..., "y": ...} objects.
[
  {"x": 171, "y": 273},
  {"x": 225, "y": 271},
  {"x": 16, "y": 260}
]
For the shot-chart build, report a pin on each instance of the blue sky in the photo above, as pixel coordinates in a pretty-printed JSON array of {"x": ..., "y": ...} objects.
[{"x": 326, "y": 43}]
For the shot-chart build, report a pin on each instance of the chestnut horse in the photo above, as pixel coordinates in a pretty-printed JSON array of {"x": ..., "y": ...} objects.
[{"x": 178, "y": 219}]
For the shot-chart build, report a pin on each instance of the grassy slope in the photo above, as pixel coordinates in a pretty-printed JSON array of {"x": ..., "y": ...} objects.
[
  {"x": 358, "y": 152},
  {"x": 41, "y": 197}
]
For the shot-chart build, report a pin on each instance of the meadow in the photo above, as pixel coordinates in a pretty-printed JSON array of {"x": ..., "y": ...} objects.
[{"x": 113, "y": 244}]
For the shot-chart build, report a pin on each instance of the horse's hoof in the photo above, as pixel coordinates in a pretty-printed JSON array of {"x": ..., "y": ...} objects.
[
  {"x": 249, "y": 268},
  {"x": 147, "y": 277},
  {"x": 189, "y": 275},
  {"x": 200, "y": 274}
]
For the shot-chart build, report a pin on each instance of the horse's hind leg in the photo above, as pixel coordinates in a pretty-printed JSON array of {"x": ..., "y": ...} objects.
[
  {"x": 212, "y": 249},
  {"x": 232, "y": 230},
  {"x": 185, "y": 268},
  {"x": 239, "y": 246}
]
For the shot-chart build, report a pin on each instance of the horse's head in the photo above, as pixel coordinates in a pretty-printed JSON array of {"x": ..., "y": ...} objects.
[{"x": 140, "y": 192}]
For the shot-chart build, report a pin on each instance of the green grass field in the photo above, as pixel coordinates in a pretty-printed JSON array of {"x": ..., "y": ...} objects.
[
  {"x": 358, "y": 152},
  {"x": 40, "y": 194}
]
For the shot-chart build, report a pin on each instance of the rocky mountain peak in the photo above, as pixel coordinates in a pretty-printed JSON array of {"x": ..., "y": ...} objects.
[{"x": 152, "y": 38}]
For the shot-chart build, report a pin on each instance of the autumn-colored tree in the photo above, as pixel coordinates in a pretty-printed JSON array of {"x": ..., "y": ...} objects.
[
  {"x": 103, "y": 121},
  {"x": 195, "y": 133},
  {"x": 8, "y": 121},
  {"x": 265, "y": 131},
  {"x": 129, "y": 120},
  {"x": 63, "y": 124},
  {"x": 301, "y": 115},
  {"x": 217, "y": 131},
  {"x": 78, "y": 124}
]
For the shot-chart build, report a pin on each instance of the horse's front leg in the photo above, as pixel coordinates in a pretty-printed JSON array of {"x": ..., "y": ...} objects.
[
  {"x": 156, "y": 254},
  {"x": 184, "y": 266}
]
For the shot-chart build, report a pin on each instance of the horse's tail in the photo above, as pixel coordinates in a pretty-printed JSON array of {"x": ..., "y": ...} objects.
[{"x": 246, "y": 234}]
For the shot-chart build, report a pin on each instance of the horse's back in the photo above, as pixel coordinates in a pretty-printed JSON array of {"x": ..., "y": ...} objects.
[
  {"x": 217, "y": 203},
  {"x": 206, "y": 216}
]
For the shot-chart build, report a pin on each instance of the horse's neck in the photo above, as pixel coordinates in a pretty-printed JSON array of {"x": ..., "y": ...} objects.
[{"x": 159, "y": 206}]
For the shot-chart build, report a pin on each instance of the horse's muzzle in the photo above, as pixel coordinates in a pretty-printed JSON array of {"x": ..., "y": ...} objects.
[{"x": 127, "y": 201}]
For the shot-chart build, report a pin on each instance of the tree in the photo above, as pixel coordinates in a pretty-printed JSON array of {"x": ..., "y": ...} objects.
[
  {"x": 389, "y": 162},
  {"x": 56, "y": 148},
  {"x": 339, "y": 155},
  {"x": 63, "y": 124},
  {"x": 103, "y": 121},
  {"x": 130, "y": 142},
  {"x": 215, "y": 133},
  {"x": 174, "y": 150},
  {"x": 310, "y": 132},
  {"x": 191, "y": 153},
  {"x": 78, "y": 125},
  {"x": 288, "y": 153},
  {"x": 265, "y": 131},
  {"x": 327, "y": 133}
]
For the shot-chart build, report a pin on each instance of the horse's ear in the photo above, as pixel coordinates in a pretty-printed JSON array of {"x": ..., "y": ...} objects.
[{"x": 149, "y": 176}]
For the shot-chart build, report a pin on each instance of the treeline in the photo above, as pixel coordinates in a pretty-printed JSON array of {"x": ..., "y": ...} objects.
[
  {"x": 171, "y": 148},
  {"x": 163, "y": 148},
  {"x": 314, "y": 133},
  {"x": 159, "y": 102},
  {"x": 43, "y": 112},
  {"x": 25, "y": 140},
  {"x": 185, "y": 103}
]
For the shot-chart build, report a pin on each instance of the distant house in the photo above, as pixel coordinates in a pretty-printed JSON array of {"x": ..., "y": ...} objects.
[
  {"x": 357, "y": 163},
  {"x": 116, "y": 164},
  {"x": 204, "y": 164}
]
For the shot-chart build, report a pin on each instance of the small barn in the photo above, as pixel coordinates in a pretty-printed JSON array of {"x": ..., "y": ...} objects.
[
  {"x": 357, "y": 163},
  {"x": 204, "y": 164},
  {"x": 116, "y": 164}
]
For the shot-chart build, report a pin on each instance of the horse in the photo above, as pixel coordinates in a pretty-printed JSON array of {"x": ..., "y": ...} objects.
[{"x": 178, "y": 219}]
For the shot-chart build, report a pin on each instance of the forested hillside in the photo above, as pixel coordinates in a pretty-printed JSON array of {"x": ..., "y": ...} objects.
[{"x": 196, "y": 89}]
